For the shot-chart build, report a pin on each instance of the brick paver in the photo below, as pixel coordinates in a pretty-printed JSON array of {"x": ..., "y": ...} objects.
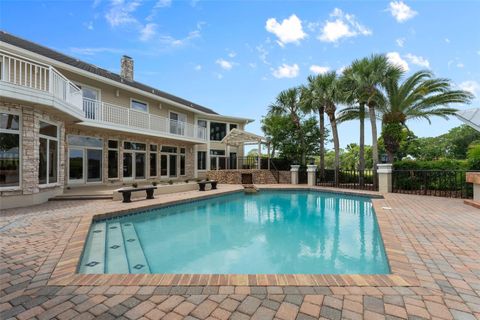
[{"x": 439, "y": 239}]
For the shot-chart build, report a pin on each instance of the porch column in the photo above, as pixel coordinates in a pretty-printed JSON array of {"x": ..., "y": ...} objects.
[
  {"x": 294, "y": 173},
  {"x": 384, "y": 172},
  {"x": 259, "y": 164},
  {"x": 311, "y": 174}
]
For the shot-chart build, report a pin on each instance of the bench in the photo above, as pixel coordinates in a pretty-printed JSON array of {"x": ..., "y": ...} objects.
[
  {"x": 203, "y": 183},
  {"x": 127, "y": 192}
]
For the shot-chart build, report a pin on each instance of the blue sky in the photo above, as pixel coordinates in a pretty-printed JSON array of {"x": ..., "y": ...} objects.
[{"x": 236, "y": 56}]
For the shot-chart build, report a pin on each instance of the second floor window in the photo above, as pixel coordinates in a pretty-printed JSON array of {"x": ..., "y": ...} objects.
[
  {"x": 217, "y": 131},
  {"x": 140, "y": 106}
]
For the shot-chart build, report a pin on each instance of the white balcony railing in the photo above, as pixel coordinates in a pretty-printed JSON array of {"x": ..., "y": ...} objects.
[
  {"x": 108, "y": 113},
  {"x": 26, "y": 73}
]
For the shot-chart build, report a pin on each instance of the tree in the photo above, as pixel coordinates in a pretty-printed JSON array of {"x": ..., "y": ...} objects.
[
  {"x": 288, "y": 103},
  {"x": 285, "y": 137},
  {"x": 311, "y": 101},
  {"x": 420, "y": 96}
]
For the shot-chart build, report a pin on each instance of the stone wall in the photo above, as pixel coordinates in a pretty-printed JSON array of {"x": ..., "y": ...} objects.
[
  {"x": 235, "y": 176},
  {"x": 285, "y": 177},
  {"x": 30, "y": 118}
]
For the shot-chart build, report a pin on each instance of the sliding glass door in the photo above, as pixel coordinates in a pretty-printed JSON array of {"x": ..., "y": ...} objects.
[{"x": 85, "y": 159}]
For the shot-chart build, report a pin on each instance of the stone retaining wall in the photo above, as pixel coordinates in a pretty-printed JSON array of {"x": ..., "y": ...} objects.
[{"x": 235, "y": 176}]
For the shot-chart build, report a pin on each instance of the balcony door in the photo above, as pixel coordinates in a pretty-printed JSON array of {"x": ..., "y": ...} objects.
[
  {"x": 177, "y": 123},
  {"x": 91, "y": 98}
]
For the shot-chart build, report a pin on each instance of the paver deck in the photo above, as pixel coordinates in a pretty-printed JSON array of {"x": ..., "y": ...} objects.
[{"x": 434, "y": 241}]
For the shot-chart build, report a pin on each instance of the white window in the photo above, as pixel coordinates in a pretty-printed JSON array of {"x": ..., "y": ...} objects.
[
  {"x": 177, "y": 123},
  {"x": 10, "y": 154},
  {"x": 48, "y": 153},
  {"x": 139, "y": 105}
]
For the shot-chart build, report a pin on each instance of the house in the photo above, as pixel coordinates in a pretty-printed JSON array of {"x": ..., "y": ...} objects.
[{"x": 67, "y": 123}]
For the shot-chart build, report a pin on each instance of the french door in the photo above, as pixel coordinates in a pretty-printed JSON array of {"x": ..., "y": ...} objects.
[
  {"x": 85, "y": 165},
  {"x": 168, "y": 165},
  {"x": 134, "y": 165}
]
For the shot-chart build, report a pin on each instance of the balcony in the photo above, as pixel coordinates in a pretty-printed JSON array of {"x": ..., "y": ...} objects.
[
  {"x": 117, "y": 117},
  {"x": 24, "y": 79}
]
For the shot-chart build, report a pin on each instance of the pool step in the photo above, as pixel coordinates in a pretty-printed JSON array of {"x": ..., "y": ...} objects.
[
  {"x": 116, "y": 257},
  {"x": 93, "y": 260},
  {"x": 137, "y": 263},
  {"x": 250, "y": 188}
]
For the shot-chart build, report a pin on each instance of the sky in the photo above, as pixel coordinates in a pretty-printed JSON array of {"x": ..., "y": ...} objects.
[{"x": 236, "y": 56}]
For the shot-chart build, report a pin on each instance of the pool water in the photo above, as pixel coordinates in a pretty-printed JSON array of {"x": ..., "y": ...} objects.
[{"x": 284, "y": 232}]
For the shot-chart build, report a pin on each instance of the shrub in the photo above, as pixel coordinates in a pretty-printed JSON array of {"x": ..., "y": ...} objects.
[
  {"x": 473, "y": 156},
  {"x": 444, "y": 164},
  {"x": 135, "y": 185},
  {"x": 154, "y": 183},
  {"x": 170, "y": 181}
]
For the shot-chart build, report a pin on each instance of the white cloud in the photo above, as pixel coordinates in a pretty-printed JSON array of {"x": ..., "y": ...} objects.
[
  {"x": 286, "y": 71},
  {"x": 232, "y": 54},
  {"x": 148, "y": 31},
  {"x": 120, "y": 12},
  {"x": 89, "y": 25},
  {"x": 401, "y": 12},
  {"x": 417, "y": 60},
  {"x": 460, "y": 65},
  {"x": 163, "y": 3},
  {"x": 342, "y": 25},
  {"x": 288, "y": 31},
  {"x": 341, "y": 69},
  {"x": 400, "y": 42},
  {"x": 319, "y": 69},
  {"x": 262, "y": 54},
  {"x": 224, "y": 64},
  {"x": 394, "y": 58},
  {"x": 176, "y": 43},
  {"x": 471, "y": 86},
  {"x": 447, "y": 40},
  {"x": 198, "y": 67}
]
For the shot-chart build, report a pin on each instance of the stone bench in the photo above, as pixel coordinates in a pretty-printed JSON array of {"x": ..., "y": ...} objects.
[
  {"x": 203, "y": 183},
  {"x": 127, "y": 192}
]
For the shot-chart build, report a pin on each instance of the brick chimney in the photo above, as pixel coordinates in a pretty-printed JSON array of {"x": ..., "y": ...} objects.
[{"x": 126, "y": 67}]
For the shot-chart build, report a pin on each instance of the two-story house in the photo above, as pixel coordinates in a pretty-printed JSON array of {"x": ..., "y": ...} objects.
[{"x": 67, "y": 123}]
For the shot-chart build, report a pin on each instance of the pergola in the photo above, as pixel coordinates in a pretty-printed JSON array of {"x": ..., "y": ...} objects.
[
  {"x": 237, "y": 137},
  {"x": 470, "y": 117}
]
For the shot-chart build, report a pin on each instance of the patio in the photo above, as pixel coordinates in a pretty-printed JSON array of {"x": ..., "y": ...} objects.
[{"x": 437, "y": 240}]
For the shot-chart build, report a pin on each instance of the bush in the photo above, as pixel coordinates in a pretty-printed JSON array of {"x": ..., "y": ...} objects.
[
  {"x": 135, "y": 185},
  {"x": 154, "y": 183},
  {"x": 170, "y": 181},
  {"x": 473, "y": 156},
  {"x": 445, "y": 164}
]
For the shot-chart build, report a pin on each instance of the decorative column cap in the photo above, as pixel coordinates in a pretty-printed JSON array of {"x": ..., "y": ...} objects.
[
  {"x": 294, "y": 167},
  {"x": 311, "y": 168},
  {"x": 384, "y": 168}
]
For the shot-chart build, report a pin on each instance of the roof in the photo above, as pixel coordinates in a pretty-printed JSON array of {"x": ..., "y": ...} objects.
[
  {"x": 471, "y": 117},
  {"x": 55, "y": 55},
  {"x": 236, "y": 137}
]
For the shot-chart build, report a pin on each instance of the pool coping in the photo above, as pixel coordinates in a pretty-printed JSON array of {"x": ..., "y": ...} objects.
[{"x": 65, "y": 272}]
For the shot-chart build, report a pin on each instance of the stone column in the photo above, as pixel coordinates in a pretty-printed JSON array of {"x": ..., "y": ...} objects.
[
  {"x": 311, "y": 174},
  {"x": 474, "y": 177},
  {"x": 294, "y": 173},
  {"x": 384, "y": 172}
]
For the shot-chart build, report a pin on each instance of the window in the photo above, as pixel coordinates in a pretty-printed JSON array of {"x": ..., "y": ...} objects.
[
  {"x": 138, "y": 105},
  {"x": 182, "y": 164},
  {"x": 217, "y": 131},
  {"x": 217, "y": 160},
  {"x": 112, "y": 159},
  {"x": 9, "y": 150},
  {"x": 201, "y": 129},
  {"x": 202, "y": 160},
  {"x": 202, "y": 123},
  {"x": 82, "y": 141},
  {"x": 168, "y": 149},
  {"x": 233, "y": 126},
  {"x": 134, "y": 146},
  {"x": 153, "y": 160},
  {"x": 48, "y": 153}
]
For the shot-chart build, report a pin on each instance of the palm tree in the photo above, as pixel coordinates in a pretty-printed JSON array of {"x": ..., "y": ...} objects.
[
  {"x": 311, "y": 102},
  {"x": 353, "y": 86},
  {"x": 420, "y": 96},
  {"x": 329, "y": 95},
  {"x": 288, "y": 103}
]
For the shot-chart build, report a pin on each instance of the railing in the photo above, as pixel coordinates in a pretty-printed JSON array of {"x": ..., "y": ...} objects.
[
  {"x": 275, "y": 172},
  {"x": 26, "y": 73},
  {"x": 108, "y": 113},
  {"x": 348, "y": 179},
  {"x": 441, "y": 183}
]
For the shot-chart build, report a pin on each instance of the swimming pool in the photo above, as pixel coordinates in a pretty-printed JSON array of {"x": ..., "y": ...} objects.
[{"x": 270, "y": 232}]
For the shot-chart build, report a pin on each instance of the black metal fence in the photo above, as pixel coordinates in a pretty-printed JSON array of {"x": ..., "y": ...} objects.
[
  {"x": 348, "y": 179},
  {"x": 441, "y": 183}
]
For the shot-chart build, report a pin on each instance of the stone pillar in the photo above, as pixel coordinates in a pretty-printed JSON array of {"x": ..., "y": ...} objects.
[
  {"x": 294, "y": 173},
  {"x": 384, "y": 172},
  {"x": 474, "y": 177},
  {"x": 311, "y": 174}
]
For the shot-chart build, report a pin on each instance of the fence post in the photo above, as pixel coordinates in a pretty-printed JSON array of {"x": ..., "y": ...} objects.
[
  {"x": 311, "y": 174},
  {"x": 294, "y": 173},
  {"x": 384, "y": 172}
]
